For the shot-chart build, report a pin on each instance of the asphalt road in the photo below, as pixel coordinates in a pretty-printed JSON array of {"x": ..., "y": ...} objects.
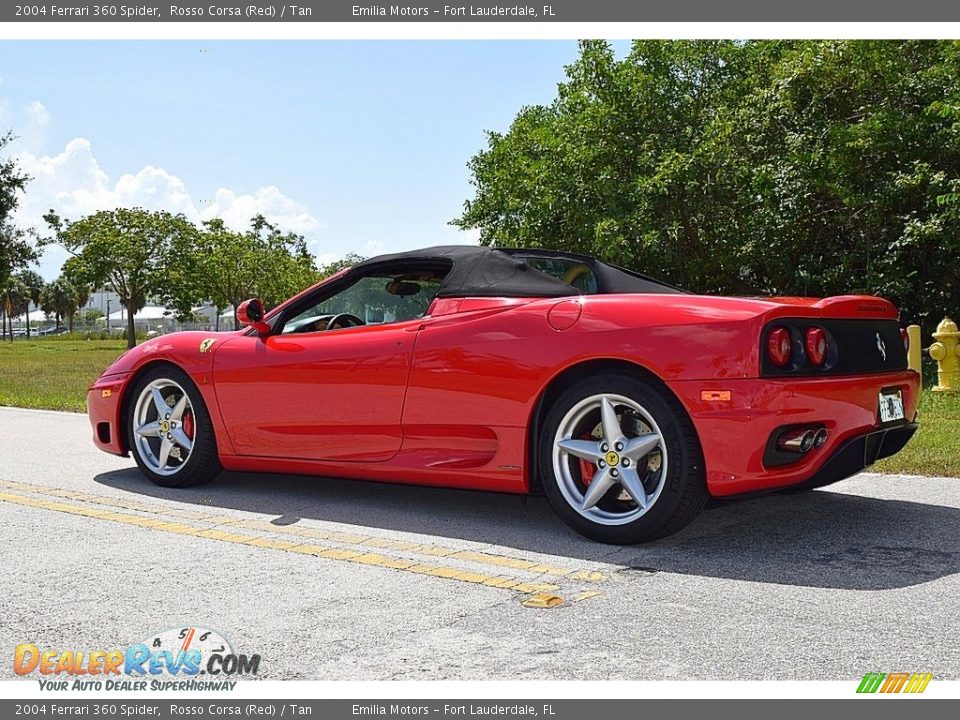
[{"x": 330, "y": 579}]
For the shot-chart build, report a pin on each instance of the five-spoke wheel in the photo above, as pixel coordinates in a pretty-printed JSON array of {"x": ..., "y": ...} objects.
[
  {"x": 163, "y": 426},
  {"x": 619, "y": 459},
  {"x": 170, "y": 433},
  {"x": 609, "y": 458}
]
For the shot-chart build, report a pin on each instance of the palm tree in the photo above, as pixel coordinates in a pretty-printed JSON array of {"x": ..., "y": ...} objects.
[
  {"x": 83, "y": 296},
  {"x": 34, "y": 285},
  {"x": 60, "y": 298},
  {"x": 13, "y": 294}
]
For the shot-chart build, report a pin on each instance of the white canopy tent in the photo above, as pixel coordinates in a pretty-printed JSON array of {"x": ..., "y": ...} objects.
[
  {"x": 147, "y": 316},
  {"x": 209, "y": 312},
  {"x": 36, "y": 317}
]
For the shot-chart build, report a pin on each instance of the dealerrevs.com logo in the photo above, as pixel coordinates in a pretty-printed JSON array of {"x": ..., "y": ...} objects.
[
  {"x": 185, "y": 658},
  {"x": 898, "y": 682}
]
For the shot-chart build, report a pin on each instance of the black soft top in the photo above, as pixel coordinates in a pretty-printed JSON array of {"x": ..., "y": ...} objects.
[{"x": 478, "y": 271}]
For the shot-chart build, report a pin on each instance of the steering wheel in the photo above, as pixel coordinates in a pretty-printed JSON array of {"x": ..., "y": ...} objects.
[{"x": 348, "y": 318}]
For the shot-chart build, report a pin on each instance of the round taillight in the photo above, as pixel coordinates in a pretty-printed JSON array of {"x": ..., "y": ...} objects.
[
  {"x": 816, "y": 344},
  {"x": 779, "y": 346},
  {"x": 905, "y": 336}
]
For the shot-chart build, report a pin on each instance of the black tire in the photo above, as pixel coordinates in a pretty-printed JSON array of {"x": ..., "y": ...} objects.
[
  {"x": 203, "y": 463},
  {"x": 683, "y": 492}
]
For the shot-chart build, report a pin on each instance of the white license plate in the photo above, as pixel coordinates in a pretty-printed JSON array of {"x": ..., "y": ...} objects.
[{"x": 891, "y": 406}]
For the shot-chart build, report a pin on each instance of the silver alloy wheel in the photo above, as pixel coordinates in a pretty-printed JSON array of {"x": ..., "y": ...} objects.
[
  {"x": 160, "y": 438},
  {"x": 635, "y": 459}
]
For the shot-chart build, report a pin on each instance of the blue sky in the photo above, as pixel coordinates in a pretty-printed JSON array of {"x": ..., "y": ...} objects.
[{"x": 360, "y": 145}]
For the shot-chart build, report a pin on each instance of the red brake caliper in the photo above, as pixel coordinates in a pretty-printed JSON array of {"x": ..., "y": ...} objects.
[
  {"x": 188, "y": 425},
  {"x": 587, "y": 468}
]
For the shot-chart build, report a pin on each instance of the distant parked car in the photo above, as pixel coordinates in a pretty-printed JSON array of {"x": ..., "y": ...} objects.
[{"x": 53, "y": 331}]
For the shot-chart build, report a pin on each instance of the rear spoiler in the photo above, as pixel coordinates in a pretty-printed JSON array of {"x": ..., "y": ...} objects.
[{"x": 857, "y": 306}]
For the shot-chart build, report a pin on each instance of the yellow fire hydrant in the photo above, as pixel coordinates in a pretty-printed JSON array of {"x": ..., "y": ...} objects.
[{"x": 946, "y": 351}]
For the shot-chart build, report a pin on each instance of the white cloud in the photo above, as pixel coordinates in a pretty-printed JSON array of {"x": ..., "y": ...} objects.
[
  {"x": 237, "y": 210},
  {"x": 324, "y": 259},
  {"x": 73, "y": 184},
  {"x": 374, "y": 247},
  {"x": 28, "y": 122},
  {"x": 37, "y": 115}
]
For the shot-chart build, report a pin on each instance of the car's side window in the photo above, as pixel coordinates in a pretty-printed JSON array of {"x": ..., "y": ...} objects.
[
  {"x": 372, "y": 300},
  {"x": 570, "y": 271}
]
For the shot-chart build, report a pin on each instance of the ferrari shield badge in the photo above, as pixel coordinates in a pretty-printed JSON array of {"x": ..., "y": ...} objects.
[{"x": 207, "y": 344}]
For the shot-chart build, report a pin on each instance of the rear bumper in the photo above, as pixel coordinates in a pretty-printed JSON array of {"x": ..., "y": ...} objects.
[
  {"x": 736, "y": 418},
  {"x": 860, "y": 452}
]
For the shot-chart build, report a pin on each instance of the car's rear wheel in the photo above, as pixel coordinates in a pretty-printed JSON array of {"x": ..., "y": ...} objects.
[
  {"x": 620, "y": 460},
  {"x": 169, "y": 430}
]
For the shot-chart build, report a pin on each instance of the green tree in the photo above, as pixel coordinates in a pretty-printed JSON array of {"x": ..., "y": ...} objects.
[
  {"x": 860, "y": 160},
  {"x": 136, "y": 253},
  {"x": 229, "y": 267},
  {"x": 348, "y": 260},
  {"x": 92, "y": 315},
  {"x": 791, "y": 167},
  {"x": 72, "y": 271},
  {"x": 289, "y": 267},
  {"x": 12, "y": 181},
  {"x": 620, "y": 166},
  {"x": 16, "y": 252},
  {"x": 60, "y": 299},
  {"x": 226, "y": 267}
]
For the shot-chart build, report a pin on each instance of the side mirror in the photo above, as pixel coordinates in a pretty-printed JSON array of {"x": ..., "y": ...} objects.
[{"x": 250, "y": 313}]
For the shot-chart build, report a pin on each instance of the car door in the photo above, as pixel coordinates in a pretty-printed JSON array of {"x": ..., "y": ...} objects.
[
  {"x": 317, "y": 388},
  {"x": 334, "y": 395}
]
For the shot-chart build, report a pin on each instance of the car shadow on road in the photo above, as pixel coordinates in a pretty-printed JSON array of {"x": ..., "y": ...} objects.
[{"x": 818, "y": 539}]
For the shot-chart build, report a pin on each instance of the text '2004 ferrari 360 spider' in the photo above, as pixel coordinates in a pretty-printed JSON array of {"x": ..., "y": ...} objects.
[{"x": 626, "y": 401}]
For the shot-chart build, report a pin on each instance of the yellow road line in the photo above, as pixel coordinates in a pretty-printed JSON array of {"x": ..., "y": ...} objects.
[
  {"x": 346, "y": 538},
  {"x": 328, "y": 552},
  {"x": 543, "y": 600}
]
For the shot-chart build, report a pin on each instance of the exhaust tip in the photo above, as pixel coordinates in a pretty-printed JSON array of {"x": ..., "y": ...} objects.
[{"x": 801, "y": 441}]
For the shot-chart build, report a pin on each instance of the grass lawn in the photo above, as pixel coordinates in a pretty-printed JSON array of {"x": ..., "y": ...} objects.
[
  {"x": 935, "y": 449},
  {"x": 55, "y": 374}
]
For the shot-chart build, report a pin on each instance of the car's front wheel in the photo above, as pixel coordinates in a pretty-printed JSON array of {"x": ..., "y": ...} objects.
[
  {"x": 169, "y": 430},
  {"x": 620, "y": 460}
]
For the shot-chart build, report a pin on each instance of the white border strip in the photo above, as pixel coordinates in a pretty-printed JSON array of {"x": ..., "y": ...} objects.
[
  {"x": 367, "y": 692},
  {"x": 469, "y": 30}
]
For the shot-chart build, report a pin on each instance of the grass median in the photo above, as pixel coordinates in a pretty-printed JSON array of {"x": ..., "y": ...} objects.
[
  {"x": 51, "y": 373},
  {"x": 54, "y": 374}
]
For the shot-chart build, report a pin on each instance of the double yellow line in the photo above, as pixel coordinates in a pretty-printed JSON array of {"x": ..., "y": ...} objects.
[{"x": 358, "y": 546}]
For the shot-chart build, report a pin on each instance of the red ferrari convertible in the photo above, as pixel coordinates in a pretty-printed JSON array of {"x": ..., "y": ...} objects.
[{"x": 626, "y": 401}]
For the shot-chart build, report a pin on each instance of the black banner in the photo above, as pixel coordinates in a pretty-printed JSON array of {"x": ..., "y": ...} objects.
[{"x": 427, "y": 11}]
